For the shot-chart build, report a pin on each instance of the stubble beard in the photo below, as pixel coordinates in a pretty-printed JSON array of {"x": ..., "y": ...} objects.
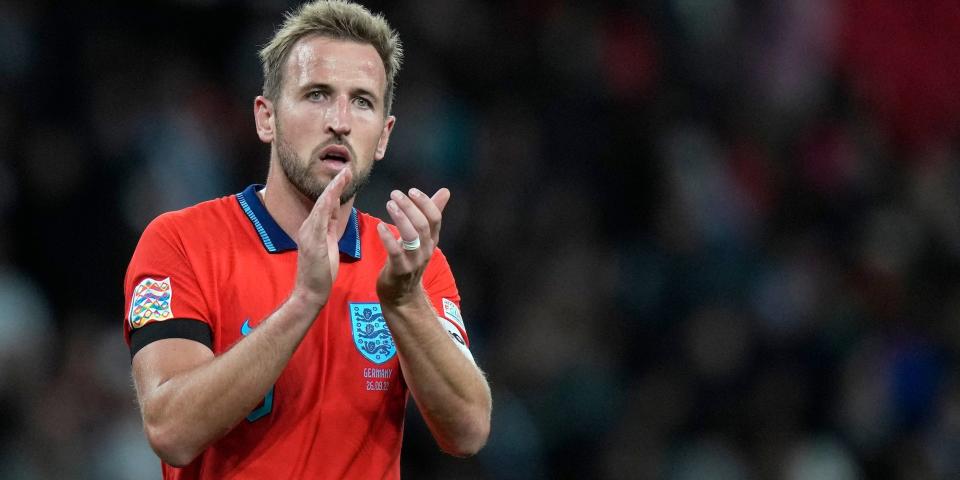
[{"x": 299, "y": 172}]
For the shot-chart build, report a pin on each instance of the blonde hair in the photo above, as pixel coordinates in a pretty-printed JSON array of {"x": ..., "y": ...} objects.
[{"x": 337, "y": 19}]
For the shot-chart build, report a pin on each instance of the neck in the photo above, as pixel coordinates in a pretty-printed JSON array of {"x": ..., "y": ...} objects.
[{"x": 289, "y": 208}]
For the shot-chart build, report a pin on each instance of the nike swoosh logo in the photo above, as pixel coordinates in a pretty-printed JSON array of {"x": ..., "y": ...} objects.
[{"x": 245, "y": 329}]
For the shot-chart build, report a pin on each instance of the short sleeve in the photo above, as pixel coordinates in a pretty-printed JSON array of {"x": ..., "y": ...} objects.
[
  {"x": 442, "y": 290},
  {"x": 161, "y": 286}
]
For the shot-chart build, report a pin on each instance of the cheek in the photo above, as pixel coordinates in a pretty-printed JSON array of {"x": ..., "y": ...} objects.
[
  {"x": 296, "y": 130},
  {"x": 368, "y": 131}
]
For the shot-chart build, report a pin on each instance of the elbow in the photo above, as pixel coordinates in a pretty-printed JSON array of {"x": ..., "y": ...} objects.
[
  {"x": 171, "y": 449},
  {"x": 471, "y": 436}
]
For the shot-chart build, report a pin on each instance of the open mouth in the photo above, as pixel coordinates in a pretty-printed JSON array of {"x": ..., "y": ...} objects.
[
  {"x": 337, "y": 154},
  {"x": 335, "y": 157}
]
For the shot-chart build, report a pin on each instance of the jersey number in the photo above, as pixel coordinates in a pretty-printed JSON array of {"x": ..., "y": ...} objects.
[{"x": 267, "y": 406}]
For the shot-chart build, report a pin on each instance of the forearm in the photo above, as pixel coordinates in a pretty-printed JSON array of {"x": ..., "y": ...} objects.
[
  {"x": 451, "y": 392},
  {"x": 196, "y": 406}
]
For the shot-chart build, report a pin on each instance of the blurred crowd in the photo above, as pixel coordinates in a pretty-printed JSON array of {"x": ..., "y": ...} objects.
[{"x": 694, "y": 238}]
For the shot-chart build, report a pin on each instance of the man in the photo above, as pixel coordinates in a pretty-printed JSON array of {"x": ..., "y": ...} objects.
[{"x": 275, "y": 333}]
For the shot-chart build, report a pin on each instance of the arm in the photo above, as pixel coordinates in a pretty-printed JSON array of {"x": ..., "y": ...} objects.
[
  {"x": 189, "y": 398},
  {"x": 451, "y": 392}
]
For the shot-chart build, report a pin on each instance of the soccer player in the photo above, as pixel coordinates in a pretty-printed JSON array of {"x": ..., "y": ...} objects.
[{"x": 276, "y": 333}]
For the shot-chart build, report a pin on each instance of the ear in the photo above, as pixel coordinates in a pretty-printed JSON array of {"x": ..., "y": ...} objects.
[
  {"x": 265, "y": 118},
  {"x": 384, "y": 138}
]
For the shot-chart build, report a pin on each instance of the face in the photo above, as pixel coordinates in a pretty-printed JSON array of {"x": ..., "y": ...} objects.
[{"x": 329, "y": 115}]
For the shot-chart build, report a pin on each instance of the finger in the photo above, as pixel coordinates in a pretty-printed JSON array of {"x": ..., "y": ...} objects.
[
  {"x": 335, "y": 188},
  {"x": 413, "y": 213},
  {"x": 316, "y": 220},
  {"x": 441, "y": 198},
  {"x": 428, "y": 208},
  {"x": 407, "y": 231},
  {"x": 389, "y": 240},
  {"x": 330, "y": 198},
  {"x": 325, "y": 210}
]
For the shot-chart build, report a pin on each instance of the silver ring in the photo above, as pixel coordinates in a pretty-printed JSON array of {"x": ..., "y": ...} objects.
[{"x": 411, "y": 245}]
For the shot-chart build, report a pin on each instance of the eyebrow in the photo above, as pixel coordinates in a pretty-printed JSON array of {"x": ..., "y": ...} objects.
[{"x": 365, "y": 92}]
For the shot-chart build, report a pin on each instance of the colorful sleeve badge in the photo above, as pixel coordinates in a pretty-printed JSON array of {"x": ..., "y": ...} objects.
[{"x": 150, "y": 302}]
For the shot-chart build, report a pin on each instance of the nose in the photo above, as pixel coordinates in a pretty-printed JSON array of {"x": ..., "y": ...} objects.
[{"x": 338, "y": 116}]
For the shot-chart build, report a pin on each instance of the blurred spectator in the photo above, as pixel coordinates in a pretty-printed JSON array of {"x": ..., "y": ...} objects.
[{"x": 695, "y": 239}]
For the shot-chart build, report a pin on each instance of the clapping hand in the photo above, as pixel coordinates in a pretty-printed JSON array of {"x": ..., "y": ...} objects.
[{"x": 418, "y": 218}]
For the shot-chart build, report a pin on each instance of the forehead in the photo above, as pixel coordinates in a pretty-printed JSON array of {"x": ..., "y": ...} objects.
[{"x": 316, "y": 59}]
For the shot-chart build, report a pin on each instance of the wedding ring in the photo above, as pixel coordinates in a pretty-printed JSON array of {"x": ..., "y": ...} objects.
[{"x": 411, "y": 245}]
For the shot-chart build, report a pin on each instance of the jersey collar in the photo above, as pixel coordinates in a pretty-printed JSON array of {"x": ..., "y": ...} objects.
[{"x": 275, "y": 240}]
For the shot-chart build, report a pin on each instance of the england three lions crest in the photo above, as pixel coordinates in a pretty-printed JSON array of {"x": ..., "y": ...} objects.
[{"x": 370, "y": 332}]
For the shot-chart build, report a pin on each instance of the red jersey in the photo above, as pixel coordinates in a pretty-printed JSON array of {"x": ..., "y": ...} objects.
[{"x": 213, "y": 271}]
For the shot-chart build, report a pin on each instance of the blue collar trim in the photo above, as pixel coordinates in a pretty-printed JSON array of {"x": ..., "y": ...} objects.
[
  {"x": 275, "y": 240},
  {"x": 350, "y": 240}
]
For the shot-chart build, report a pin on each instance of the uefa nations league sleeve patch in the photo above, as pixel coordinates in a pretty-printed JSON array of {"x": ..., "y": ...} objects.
[
  {"x": 150, "y": 302},
  {"x": 451, "y": 311}
]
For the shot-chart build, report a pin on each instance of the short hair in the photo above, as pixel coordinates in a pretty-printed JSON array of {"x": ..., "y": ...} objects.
[{"x": 336, "y": 19}]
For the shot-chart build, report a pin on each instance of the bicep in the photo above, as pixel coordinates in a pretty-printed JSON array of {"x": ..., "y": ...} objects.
[{"x": 162, "y": 360}]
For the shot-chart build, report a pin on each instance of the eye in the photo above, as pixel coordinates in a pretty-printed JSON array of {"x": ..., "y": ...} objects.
[
  {"x": 363, "y": 102},
  {"x": 315, "y": 95}
]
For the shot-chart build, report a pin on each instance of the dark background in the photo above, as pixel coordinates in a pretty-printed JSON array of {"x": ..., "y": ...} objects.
[{"x": 694, "y": 238}]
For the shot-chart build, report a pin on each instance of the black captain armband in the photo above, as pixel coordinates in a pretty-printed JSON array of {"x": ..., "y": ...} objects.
[{"x": 173, "y": 328}]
